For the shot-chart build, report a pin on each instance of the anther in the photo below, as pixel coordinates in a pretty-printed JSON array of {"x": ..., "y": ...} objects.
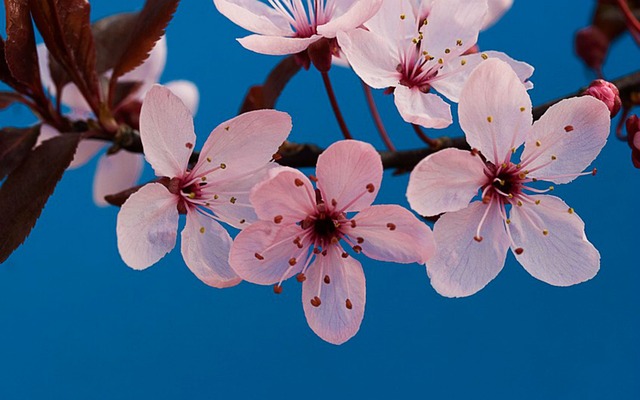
[
  {"x": 223, "y": 165},
  {"x": 474, "y": 152},
  {"x": 463, "y": 62},
  {"x": 353, "y": 223},
  {"x": 298, "y": 182},
  {"x": 324, "y": 252},
  {"x": 334, "y": 240},
  {"x": 345, "y": 255},
  {"x": 316, "y": 301},
  {"x": 440, "y": 61},
  {"x": 292, "y": 261},
  {"x": 301, "y": 277},
  {"x": 519, "y": 203},
  {"x": 232, "y": 200},
  {"x": 360, "y": 240},
  {"x": 489, "y": 118},
  {"x": 326, "y": 279},
  {"x": 202, "y": 230},
  {"x": 508, "y": 221},
  {"x": 459, "y": 42},
  {"x": 370, "y": 188},
  {"x": 545, "y": 232},
  {"x": 191, "y": 195},
  {"x": 242, "y": 221},
  {"x": 537, "y": 202},
  {"x": 478, "y": 238},
  {"x": 538, "y": 143},
  {"x": 277, "y": 289},
  {"x": 316, "y": 250},
  {"x": 188, "y": 145},
  {"x": 277, "y": 219},
  {"x": 391, "y": 226},
  {"x": 313, "y": 178},
  {"x": 334, "y": 202},
  {"x": 553, "y": 158},
  {"x": 519, "y": 250},
  {"x": 357, "y": 249},
  {"x": 208, "y": 159},
  {"x": 568, "y": 128},
  {"x": 551, "y": 188},
  {"x": 484, "y": 56},
  {"x": 348, "y": 304},
  {"x": 204, "y": 178},
  {"x": 570, "y": 210},
  {"x": 258, "y": 256},
  {"x": 522, "y": 109},
  {"x": 594, "y": 172},
  {"x": 402, "y": 16},
  {"x": 447, "y": 51},
  {"x": 216, "y": 197}
]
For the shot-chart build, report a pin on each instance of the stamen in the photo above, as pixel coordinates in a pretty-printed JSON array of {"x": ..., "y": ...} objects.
[
  {"x": 277, "y": 288},
  {"x": 568, "y": 128},
  {"x": 316, "y": 301},
  {"x": 259, "y": 256},
  {"x": 360, "y": 240},
  {"x": 298, "y": 182},
  {"x": 348, "y": 304},
  {"x": 484, "y": 217},
  {"x": 357, "y": 249},
  {"x": 301, "y": 277},
  {"x": 326, "y": 279},
  {"x": 292, "y": 261},
  {"x": 391, "y": 226},
  {"x": 277, "y": 219}
]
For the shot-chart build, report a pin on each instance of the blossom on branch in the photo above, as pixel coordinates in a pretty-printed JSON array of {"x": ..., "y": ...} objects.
[
  {"x": 233, "y": 159},
  {"x": 414, "y": 47},
  {"x": 301, "y": 231},
  {"x": 119, "y": 171},
  {"x": 546, "y": 235}
]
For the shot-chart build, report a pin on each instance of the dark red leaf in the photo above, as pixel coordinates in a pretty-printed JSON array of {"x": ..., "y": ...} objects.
[
  {"x": 266, "y": 95},
  {"x": 112, "y": 35},
  {"x": 15, "y": 145},
  {"x": 20, "y": 48},
  {"x": 66, "y": 29},
  {"x": 27, "y": 189},
  {"x": 148, "y": 29}
]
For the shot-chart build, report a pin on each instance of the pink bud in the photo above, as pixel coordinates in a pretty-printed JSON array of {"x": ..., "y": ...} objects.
[
  {"x": 633, "y": 137},
  {"x": 606, "y": 92},
  {"x": 592, "y": 46}
]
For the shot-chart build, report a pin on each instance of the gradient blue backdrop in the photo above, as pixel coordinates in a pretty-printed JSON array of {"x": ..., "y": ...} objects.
[{"x": 76, "y": 323}]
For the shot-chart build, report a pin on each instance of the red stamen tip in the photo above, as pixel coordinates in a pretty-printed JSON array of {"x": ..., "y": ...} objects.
[
  {"x": 370, "y": 188},
  {"x": 259, "y": 256},
  {"x": 316, "y": 301},
  {"x": 519, "y": 250},
  {"x": 277, "y": 219},
  {"x": 301, "y": 277},
  {"x": 298, "y": 182},
  {"x": 391, "y": 226},
  {"x": 348, "y": 304},
  {"x": 327, "y": 280},
  {"x": 478, "y": 238},
  {"x": 277, "y": 289}
]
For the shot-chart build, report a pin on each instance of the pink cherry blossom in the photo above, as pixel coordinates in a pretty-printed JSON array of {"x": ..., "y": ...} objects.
[
  {"x": 546, "y": 235},
  {"x": 497, "y": 8},
  {"x": 304, "y": 232},
  {"x": 119, "y": 171},
  {"x": 233, "y": 159},
  {"x": 290, "y": 26},
  {"x": 414, "y": 47}
]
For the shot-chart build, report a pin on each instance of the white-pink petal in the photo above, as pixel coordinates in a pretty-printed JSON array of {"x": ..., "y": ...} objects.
[
  {"x": 396, "y": 21},
  {"x": 277, "y": 45},
  {"x": 392, "y": 233},
  {"x": 566, "y": 139},
  {"x": 147, "y": 226},
  {"x": 451, "y": 21},
  {"x": 332, "y": 319},
  {"x": 445, "y": 181},
  {"x": 116, "y": 173},
  {"x": 556, "y": 250},
  {"x": 150, "y": 70},
  {"x": 187, "y": 92},
  {"x": 497, "y": 8},
  {"x": 288, "y": 194},
  {"x": 166, "y": 131},
  {"x": 495, "y": 110},
  {"x": 205, "y": 248},
  {"x": 372, "y": 57},
  {"x": 462, "y": 265},
  {"x": 261, "y": 252},
  {"x": 424, "y": 109},
  {"x": 255, "y": 16},
  {"x": 358, "y": 13},
  {"x": 349, "y": 175},
  {"x": 243, "y": 144},
  {"x": 85, "y": 152}
]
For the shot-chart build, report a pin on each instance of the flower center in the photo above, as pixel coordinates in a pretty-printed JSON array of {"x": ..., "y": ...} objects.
[
  {"x": 305, "y": 19},
  {"x": 325, "y": 226}
]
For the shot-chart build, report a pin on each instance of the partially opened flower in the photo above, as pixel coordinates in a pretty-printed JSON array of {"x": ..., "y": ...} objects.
[
  {"x": 119, "y": 171},
  {"x": 307, "y": 233},
  {"x": 545, "y": 234},
  {"x": 414, "y": 47},
  {"x": 234, "y": 158},
  {"x": 290, "y": 26}
]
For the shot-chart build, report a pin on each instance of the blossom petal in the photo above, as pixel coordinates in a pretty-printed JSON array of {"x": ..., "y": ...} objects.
[
  {"x": 85, "y": 152},
  {"x": 188, "y": 93},
  {"x": 495, "y": 110},
  {"x": 451, "y": 22},
  {"x": 261, "y": 252},
  {"x": 445, "y": 181},
  {"x": 462, "y": 266},
  {"x": 288, "y": 194},
  {"x": 359, "y": 12},
  {"x": 242, "y": 144},
  {"x": 116, "y": 173},
  {"x": 395, "y": 21},
  {"x": 166, "y": 130},
  {"x": 254, "y": 16},
  {"x": 497, "y": 8},
  {"x": 392, "y": 233},
  {"x": 205, "y": 248},
  {"x": 229, "y": 200},
  {"x": 277, "y": 45},
  {"x": 570, "y": 134},
  {"x": 338, "y": 316},
  {"x": 563, "y": 256},
  {"x": 424, "y": 109},
  {"x": 457, "y": 72},
  {"x": 45, "y": 71},
  {"x": 372, "y": 57},
  {"x": 147, "y": 226},
  {"x": 346, "y": 170}
]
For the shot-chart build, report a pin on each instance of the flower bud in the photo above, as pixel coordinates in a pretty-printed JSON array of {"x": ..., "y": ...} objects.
[
  {"x": 606, "y": 92},
  {"x": 591, "y": 45},
  {"x": 633, "y": 137}
]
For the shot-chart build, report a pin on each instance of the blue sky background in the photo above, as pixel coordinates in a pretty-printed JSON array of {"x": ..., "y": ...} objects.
[{"x": 76, "y": 323}]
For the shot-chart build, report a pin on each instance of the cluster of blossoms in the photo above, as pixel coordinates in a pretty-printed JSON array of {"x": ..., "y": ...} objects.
[{"x": 289, "y": 228}]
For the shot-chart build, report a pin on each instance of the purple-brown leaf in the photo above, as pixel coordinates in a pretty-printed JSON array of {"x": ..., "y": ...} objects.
[
  {"x": 15, "y": 145},
  {"x": 266, "y": 95},
  {"x": 112, "y": 35},
  {"x": 149, "y": 27},
  {"x": 20, "y": 48},
  {"x": 27, "y": 189}
]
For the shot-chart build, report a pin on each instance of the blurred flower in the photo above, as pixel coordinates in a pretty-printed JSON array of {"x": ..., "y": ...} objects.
[
  {"x": 606, "y": 92},
  {"x": 302, "y": 231},
  {"x": 546, "y": 236},
  {"x": 290, "y": 27},
  {"x": 633, "y": 138},
  {"x": 413, "y": 49},
  {"x": 233, "y": 159},
  {"x": 119, "y": 171},
  {"x": 592, "y": 46}
]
